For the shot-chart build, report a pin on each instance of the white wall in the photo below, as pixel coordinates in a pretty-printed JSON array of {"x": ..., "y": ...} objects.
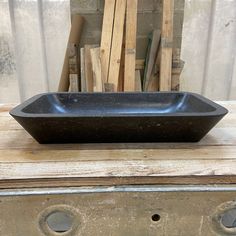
[
  {"x": 37, "y": 34},
  {"x": 9, "y": 91},
  {"x": 38, "y": 30},
  {"x": 209, "y": 48}
]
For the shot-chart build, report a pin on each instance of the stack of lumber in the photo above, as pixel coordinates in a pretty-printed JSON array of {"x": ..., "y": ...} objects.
[
  {"x": 112, "y": 65},
  {"x": 151, "y": 84},
  {"x": 162, "y": 64},
  {"x": 73, "y": 69}
]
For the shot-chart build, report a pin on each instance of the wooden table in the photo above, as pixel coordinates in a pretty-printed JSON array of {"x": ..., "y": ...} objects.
[{"x": 25, "y": 164}]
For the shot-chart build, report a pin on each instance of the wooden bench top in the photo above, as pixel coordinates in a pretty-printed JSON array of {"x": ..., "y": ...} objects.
[{"x": 25, "y": 163}]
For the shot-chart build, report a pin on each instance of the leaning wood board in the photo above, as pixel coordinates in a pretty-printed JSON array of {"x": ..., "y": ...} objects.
[
  {"x": 96, "y": 66},
  {"x": 166, "y": 45},
  {"x": 116, "y": 48},
  {"x": 130, "y": 45},
  {"x": 153, "y": 53},
  {"x": 106, "y": 39},
  {"x": 88, "y": 70},
  {"x": 25, "y": 163},
  {"x": 74, "y": 39}
]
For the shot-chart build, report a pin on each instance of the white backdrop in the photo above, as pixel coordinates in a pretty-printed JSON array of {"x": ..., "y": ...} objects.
[
  {"x": 209, "y": 48},
  {"x": 33, "y": 36},
  {"x": 33, "y": 39}
]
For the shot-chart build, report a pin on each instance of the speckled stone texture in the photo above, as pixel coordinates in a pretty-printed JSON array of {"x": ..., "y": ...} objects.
[{"x": 118, "y": 117}]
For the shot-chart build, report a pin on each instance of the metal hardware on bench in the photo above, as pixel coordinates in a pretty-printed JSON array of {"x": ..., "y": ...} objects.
[
  {"x": 123, "y": 210},
  {"x": 117, "y": 189}
]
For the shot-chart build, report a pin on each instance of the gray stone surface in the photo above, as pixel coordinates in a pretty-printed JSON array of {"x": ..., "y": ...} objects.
[{"x": 149, "y": 18}]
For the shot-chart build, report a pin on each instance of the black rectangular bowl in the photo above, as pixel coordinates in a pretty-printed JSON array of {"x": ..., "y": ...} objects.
[{"x": 118, "y": 117}]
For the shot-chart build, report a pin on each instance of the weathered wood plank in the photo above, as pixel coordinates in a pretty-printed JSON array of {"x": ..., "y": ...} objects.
[
  {"x": 117, "y": 168},
  {"x": 96, "y": 66},
  {"x": 82, "y": 71},
  {"x": 155, "y": 41},
  {"x": 74, "y": 39},
  {"x": 166, "y": 45},
  {"x": 74, "y": 83},
  {"x": 115, "y": 59},
  {"x": 88, "y": 70},
  {"x": 106, "y": 40},
  {"x": 138, "y": 82},
  {"x": 154, "y": 80},
  {"x": 115, "y": 181},
  {"x": 130, "y": 45},
  {"x": 77, "y": 153},
  {"x": 120, "y": 87}
]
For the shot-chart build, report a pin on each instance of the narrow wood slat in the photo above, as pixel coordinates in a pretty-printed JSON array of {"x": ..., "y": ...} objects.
[
  {"x": 82, "y": 71},
  {"x": 151, "y": 57},
  {"x": 166, "y": 45},
  {"x": 130, "y": 45},
  {"x": 154, "y": 78},
  {"x": 107, "y": 32},
  {"x": 121, "y": 72},
  {"x": 88, "y": 67},
  {"x": 153, "y": 85},
  {"x": 96, "y": 66},
  {"x": 116, "y": 48},
  {"x": 73, "y": 67},
  {"x": 114, "y": 181},
  {"x": 164, "y": 168},
  {"x": 74, "y": 38},
  {"x": 138, "y": 82},
  {"x": 74, "y": 83},
  {"x": 122, "y": 65}
]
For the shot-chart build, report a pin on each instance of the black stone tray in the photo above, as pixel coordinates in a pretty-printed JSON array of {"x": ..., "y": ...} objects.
[{"x": 118, "y": 117}]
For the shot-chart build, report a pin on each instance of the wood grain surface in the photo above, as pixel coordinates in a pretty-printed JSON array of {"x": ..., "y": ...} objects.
[
  {"x": 166, "y": 45},
  {"x": 130, "y": 45},
  {"x": 116, "y": 48}
]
